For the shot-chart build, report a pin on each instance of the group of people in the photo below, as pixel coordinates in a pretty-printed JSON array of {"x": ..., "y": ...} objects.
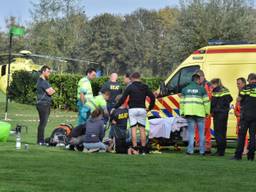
[
  {"x": 200, "y": 101},
  {"x": 115, "y": 111}
]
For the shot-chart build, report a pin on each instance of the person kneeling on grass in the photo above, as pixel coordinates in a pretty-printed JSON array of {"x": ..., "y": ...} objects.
[
  {"x": 119, "y": 118},
  {"x": 77, "y": 137},
  {"x": 95, "y": 132}
]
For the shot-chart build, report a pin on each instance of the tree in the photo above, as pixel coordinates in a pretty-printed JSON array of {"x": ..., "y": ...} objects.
[
  {"x": 107, "y": 43},
  {"x": 148, "y": 33},
  {"x": 202, "y": 20},
  {"x": 142, "y": 29},
  {"x": 59, "y": 28},
  {"x": 151, "y": 42}
]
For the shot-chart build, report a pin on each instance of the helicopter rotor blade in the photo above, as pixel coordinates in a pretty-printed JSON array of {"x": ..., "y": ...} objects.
[{"x": 61, "y": 59}]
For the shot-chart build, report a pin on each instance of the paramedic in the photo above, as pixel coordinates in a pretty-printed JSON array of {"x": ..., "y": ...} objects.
[
  {"x": 100, "y": 101},
  {"x": 85, "y": 94},
  {"x": 208, "y": 88},
  {"x": 195, "y": 106}
]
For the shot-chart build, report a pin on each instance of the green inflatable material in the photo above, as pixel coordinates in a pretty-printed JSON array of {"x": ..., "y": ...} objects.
[{"x": 4, "y": 131}]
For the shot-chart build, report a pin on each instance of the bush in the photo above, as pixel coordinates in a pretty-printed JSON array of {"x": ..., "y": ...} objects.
[{"x": 23, "y": 88}]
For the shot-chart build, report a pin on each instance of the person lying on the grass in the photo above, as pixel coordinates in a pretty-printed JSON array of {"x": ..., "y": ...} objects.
[{"x": 95, "y": 132}]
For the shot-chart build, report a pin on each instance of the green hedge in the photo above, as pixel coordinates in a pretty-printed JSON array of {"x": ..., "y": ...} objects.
[{"x": 23, "y": 88}]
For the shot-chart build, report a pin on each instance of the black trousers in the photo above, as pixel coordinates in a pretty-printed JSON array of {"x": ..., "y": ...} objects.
[
  {"x": 44, "y": 112},
  {"x": 244, "y": 126},
  {"x": 220, "y": 121}
]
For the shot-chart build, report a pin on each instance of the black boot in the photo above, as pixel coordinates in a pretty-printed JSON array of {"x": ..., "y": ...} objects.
[{"x": 250, "y": 157}]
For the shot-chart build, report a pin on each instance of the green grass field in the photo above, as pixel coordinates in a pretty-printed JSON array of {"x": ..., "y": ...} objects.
[{"x": 55, "y": 169}]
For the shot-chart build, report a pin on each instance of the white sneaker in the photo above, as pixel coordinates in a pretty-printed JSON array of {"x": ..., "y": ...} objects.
[
  {"x": 94, "y": 150},
  {"x": 85, "y": 150},
  {"x": 60, "y": 145}
]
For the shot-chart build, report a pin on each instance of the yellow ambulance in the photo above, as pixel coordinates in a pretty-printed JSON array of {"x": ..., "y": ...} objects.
[{"x": 227, "y": 62}]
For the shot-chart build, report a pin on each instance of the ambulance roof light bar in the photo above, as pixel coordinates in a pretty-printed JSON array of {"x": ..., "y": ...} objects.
[{"x": 224, "y": 42}]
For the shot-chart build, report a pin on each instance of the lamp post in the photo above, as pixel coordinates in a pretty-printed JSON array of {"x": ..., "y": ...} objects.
[
  {"x": 14, "y": 31},
  {"x": 8, "y": 76}
]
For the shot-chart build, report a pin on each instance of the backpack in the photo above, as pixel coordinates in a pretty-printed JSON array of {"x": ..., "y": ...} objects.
[{"x": 60, "y": 135}]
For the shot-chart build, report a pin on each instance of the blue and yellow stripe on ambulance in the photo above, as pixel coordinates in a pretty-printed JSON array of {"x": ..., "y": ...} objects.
[{"x": 165, "y": 107}]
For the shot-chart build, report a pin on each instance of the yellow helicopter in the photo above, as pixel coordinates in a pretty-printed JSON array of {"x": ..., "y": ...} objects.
[{"x": 23, "y": 61}]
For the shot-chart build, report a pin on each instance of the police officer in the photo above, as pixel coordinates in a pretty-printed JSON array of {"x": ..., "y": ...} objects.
[
  {"x": 240, "y": 83},
  {"x": 248, "y": 120},
  {"x": 220, "y": 105},
  {"x": 84, "y": 95}
]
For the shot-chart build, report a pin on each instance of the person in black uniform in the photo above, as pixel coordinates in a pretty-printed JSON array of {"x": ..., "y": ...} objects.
[
  {"x": 119, "y": 119},
  {"x": 115, "y": 89},
  {"x": 220, "y": 105},
  {"x": 44, "y": 92},
  {"x": 248, "y": 119}
]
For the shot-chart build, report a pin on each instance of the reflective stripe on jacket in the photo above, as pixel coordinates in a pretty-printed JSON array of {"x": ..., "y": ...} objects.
[
  {"x": 248, "y": 102},
  {"x": 194, "y": 101},
  {"x": 221, "y": 100}
]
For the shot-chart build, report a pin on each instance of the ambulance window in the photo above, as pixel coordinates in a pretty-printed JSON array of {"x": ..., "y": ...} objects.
[
  {"x": 172, "y": 85},
  {"x": 180, "y": 80},
  {"x": 186, "y": 75}
]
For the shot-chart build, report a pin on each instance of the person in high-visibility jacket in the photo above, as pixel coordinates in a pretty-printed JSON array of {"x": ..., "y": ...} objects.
[
  {"x": 207, "y": 129},
  {"x": 241, "y": 83},
  {"x": 248, "y": 120},
  {"x": 100, "y": 101},
  {"x": 195, "y": 106},
  {"x": 220, "y": 106},
  {"x": 85, "y": 94}
]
